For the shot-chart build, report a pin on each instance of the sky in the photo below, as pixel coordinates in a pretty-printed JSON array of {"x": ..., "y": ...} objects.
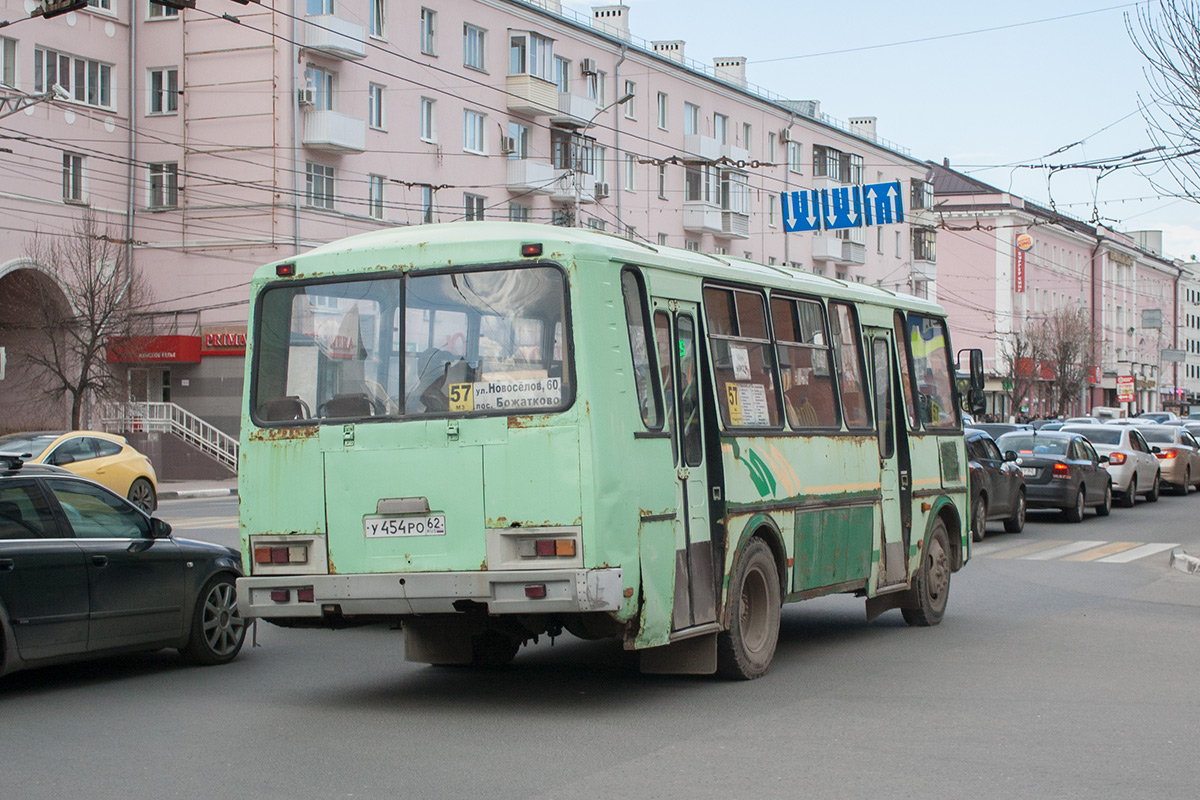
[{"x": 1055, "y": 74}]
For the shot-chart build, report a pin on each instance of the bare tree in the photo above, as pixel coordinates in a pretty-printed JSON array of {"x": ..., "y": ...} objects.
[
  {"x": 91, "y": 265},
  {"x": 1064, "y": 340},
  {"x": 1021, "y": 352},
  {"x": 1167, "y": 34}
]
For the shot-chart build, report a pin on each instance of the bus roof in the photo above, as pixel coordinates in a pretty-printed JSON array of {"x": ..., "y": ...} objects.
[{"x": 442, "y": 244}]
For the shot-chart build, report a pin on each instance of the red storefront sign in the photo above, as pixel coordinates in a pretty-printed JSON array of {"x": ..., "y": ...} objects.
[
  {"x": 171, "y": 349},
  {"x": 1125, "y": 389},
  {"x": 1024, "y": 243},
  {"x": 1094, "y": 376},
  {"x": 224, "y": 341}
]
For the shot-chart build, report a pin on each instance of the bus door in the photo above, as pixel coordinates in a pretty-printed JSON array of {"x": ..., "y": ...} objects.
[
  {"x": 675, "y": 333},
  {"x": 895, "y": 471}
]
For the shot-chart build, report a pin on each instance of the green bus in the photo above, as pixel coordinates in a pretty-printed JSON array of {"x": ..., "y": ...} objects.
[{"x": 488, "y": 432}]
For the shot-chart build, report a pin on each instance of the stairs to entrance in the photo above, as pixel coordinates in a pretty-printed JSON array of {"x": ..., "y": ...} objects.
[{"x": 138, "y": 418}]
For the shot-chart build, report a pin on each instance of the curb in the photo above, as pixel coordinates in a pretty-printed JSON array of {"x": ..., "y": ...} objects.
[
  {"x": 183, "y": 494},
  {"x": 1185, "y": 563}
]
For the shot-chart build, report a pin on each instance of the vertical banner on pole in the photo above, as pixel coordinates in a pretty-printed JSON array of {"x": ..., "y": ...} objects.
[{"x": 1024, "y": 244}]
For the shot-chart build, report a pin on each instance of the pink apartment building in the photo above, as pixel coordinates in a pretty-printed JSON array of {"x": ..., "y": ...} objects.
[
  {"x": 214, "y": 145},
  {"x": 1122, "y": 282}
]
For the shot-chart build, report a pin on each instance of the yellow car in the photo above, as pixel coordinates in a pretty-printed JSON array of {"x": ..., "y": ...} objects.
[{"x": 104, "y": 458}]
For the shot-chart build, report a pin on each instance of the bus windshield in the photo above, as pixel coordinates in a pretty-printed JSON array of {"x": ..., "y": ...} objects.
[{"x": 469, "y": 341}]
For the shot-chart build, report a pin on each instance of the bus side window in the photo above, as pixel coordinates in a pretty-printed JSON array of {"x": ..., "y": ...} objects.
[
  {"x": 662, "y": 337},
  {"x": 805, "y": 371},
  {"x": 904, "y": 356},
  {"x": 931, "y": 362},
  {"x": 851, "y": 378},
  {"x": 637, "y": 320},
  {"x": 743, "y": 358}
]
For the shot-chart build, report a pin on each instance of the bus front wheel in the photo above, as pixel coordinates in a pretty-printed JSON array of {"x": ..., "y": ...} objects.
[
  {"x": 932, "y": 582},
  {"x": 745, "y": 650}
]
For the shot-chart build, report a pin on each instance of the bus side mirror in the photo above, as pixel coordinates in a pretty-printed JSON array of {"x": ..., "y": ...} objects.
[{"x": 976, "y": 402}]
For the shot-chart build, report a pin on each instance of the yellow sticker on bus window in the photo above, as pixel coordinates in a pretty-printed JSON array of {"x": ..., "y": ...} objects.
[
  {"x": 734, "y": 400},
  {"x": 462, "y": 397}
]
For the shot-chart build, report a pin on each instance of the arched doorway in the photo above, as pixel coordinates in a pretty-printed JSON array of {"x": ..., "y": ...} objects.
[{"x": 31, "y": 301}]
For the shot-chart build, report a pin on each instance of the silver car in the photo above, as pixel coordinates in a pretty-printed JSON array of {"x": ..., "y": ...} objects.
[
  {"x": 1132, "y": 463},
  {"x": 1178, "y": 455}
]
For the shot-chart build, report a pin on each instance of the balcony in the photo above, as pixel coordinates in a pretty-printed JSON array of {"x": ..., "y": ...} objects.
[
  {"x": 854, "y": 253},
  {"x": 334, "y": 132},
  {"x": 530, "y": 96},
  {"x": 735, "y": 153},
  {"x": 571, "y": 185},
  {"x": 701, "y": 217},
  {"x": 534, "y": 177},
  {"x": 703, "y": 148},
  {"x": 838, "y": 251},
  {"x": 574, "y": 111},
  {"x": 335, "y": 37},
  {"x": 924, "y": 270},
  {"x": 735, "y": 225}
]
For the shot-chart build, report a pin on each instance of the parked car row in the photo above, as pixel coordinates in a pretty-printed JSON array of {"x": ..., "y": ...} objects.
[{"x": 1075, "y": 466}]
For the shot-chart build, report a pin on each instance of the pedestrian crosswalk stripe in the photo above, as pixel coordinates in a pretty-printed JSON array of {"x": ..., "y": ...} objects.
[
  {"x": 1137, "y": 552},
  {"x": 1100, "y": 552},
  {"x": 1028, "y": 549},
  {"x": 1065, "y": 550}
]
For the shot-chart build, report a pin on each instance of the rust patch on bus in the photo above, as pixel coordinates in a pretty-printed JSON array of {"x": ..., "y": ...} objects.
[
  {"x": 283, "y": 434},
  {"x": 483, "y": 566},
  {"x": 521, "y": 421}
]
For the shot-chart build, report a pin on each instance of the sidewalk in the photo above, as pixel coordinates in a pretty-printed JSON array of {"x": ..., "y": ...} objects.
[
  {"x": 1184, "y": 562},
  {"x": 178, "y": 490}
]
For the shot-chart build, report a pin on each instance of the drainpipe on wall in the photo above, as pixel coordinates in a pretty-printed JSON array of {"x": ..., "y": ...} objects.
[
  {"x": 787, "y": 188},
  {"x": 617, "y": 92}
]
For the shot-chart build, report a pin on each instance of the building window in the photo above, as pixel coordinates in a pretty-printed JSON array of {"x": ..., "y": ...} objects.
[
  {"x": 87, "y": 81},
  {"x": 160, "y": 12},
  {"x": 747, "y": 135},
  {"x": 631, "y": 103},
  {"x": 691, "y": 119},
  {"x": 428, "y": 121},
  {"x": 531, "y": 54},
  {"x": 692, "y": 244},
  {"x": 834, "y": 164},
  {"x": 721, "y": 128},
  {"x": 103, "y": 5},
  {"x": 562, "y": 74},
  {"x": 314, "y": 8},
  {"x": 699, "y": 184},
  {"x": 428, "y": 32},
  {"x": 771, "y": 147},
  {"x": 598, "y": 162},
  {"x": 375, "y": 106},
  {"x": 922, "y": 194},
  {"x": 473, "y": 43},
  {"x": 899, "y": 252},
  {"x": 662, "y": 239},
  {"x": 630, "y": 172},
  {"x": 164, "y": 185},
  {"x": 518, "y": 212},
  {"x": 923, "y": 244},
  {"x": 473, "y": 206},
  {"x": 474, "y": 132},
  {"x": 376, "y": 27},
  {"x": 321, "y": 83},
  {"x": 375, "y": 196},
  {"x": 518, "y": 140},
  {"x": 426, "y": 204},
  {"x": 318, "y": 185},
  {"x": 72, "y": 182},
  {"x": 662, "y": 111},
  {"x": 795, "y": 158},
  {"x": 596, "y": 224},
  {"x": 735, "y": 192},
  {"x": 631, "y": 232},
  {"x": 595, "y": 88},
  {"x": 8, "y": 62},
  {"x": 164, "y": 91},
  {"x": 662, "y": 181},
  {"x": 771, "y": 212}
]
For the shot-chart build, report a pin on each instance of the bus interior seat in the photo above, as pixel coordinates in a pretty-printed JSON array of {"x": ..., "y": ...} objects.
[
  {"x": 350, "y": 404},
  {"x": 459, "y": 372},
  {"x": 289, "y": 407}
]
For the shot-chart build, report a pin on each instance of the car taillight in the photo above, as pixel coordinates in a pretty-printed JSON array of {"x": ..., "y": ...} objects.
[
  {"x": 1167, "y": 454},
  {"x": 294, "y": 554},
  {"x": 1061, "y": 470},
  {"x": 1116, "y": 458}
]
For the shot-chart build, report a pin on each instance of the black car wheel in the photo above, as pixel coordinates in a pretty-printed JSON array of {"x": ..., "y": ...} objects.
[
  {"x": 1105, "y": 508},
  {"x": 1152, "y": 495},
  {"x": 1016, "y": 523},
  {"x": 979, "y": 520},
  {"x": 1130, "y": 496},
  {"x": 1074, "y": 512},
  {"x": 142, "y": 495},
  {"x": 218, "y": 630}
]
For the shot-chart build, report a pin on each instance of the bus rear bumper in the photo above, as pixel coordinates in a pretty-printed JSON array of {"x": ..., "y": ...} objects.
[{"x": 400, "y": 594}]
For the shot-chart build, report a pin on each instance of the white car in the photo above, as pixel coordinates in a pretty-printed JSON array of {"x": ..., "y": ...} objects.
[
  {"x": 1132, "y": 462},
  {"x": 1082, "y": 421}
]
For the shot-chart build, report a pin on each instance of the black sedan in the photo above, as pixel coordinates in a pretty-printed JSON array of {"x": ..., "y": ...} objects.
[
  {"x": 1062, "y": 470},
  {"x": 997, "y": 485},
  {"x": 84, "y": 573}
]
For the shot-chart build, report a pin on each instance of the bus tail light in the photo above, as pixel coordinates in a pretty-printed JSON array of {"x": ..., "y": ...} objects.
[
  {"x": 293, "y": 554},
  {"x": 1116, "y": 458},
  {"x": 1167, "y": 454},
  {"x": 1061, "y": 470},
  {"x": 546, "y": 548},
  {"x": 535, "y": 590}
]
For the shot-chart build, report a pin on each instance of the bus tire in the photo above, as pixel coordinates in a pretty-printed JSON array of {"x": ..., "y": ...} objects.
[
  {"x": 932, "y": 583},
  {"x": 745, "y": 650}
]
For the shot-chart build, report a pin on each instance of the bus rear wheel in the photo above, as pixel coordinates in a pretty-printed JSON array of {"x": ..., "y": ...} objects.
[
  {"x": 932, "y": 583},
  {"x": 745, "y": 650}
]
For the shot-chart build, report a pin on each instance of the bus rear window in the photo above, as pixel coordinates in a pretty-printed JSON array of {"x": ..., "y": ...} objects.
[{"x": 486, "y": 341}]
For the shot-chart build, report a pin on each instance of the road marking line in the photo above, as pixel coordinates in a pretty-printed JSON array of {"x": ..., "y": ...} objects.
[
  {"x": 1024, "y": 550},
  {"x": 1137, "y": 552},
  {"x": 1100, "y": 552},
  {"x": 1059, "y": 552}
]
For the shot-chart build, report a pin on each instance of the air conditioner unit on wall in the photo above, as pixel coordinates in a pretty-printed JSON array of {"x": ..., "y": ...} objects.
[
  {"x": 601, "y": 190},
  {"x": 306, "y": 96},
  {"x": 588, "y": 66},
  {"x": 508, "y": 144},
  {"x": 785, "y": 135}
]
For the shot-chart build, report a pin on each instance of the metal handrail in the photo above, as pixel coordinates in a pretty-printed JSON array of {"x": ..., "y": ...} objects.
[{"x": 144, "y": 417}]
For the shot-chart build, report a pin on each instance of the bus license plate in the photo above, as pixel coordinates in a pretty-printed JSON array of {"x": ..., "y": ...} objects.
[{"x": 386, "y": 527}]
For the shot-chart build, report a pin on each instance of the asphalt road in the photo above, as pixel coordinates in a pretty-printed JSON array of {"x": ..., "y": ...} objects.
[{"x": 1049, "y": 677}]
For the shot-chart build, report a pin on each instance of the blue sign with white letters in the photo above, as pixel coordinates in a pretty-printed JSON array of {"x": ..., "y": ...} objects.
[{"x": 842, "y": 207}]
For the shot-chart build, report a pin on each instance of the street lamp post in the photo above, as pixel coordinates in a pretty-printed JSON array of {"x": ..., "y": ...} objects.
[{"x": 625, "y": 98}]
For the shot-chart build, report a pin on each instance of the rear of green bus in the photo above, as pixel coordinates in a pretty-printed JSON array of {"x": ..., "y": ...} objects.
[{"x": 411, "y": 445}]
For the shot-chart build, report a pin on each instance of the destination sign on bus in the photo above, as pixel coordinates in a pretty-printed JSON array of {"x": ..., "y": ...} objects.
[{"x": 504, "y": 395}]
